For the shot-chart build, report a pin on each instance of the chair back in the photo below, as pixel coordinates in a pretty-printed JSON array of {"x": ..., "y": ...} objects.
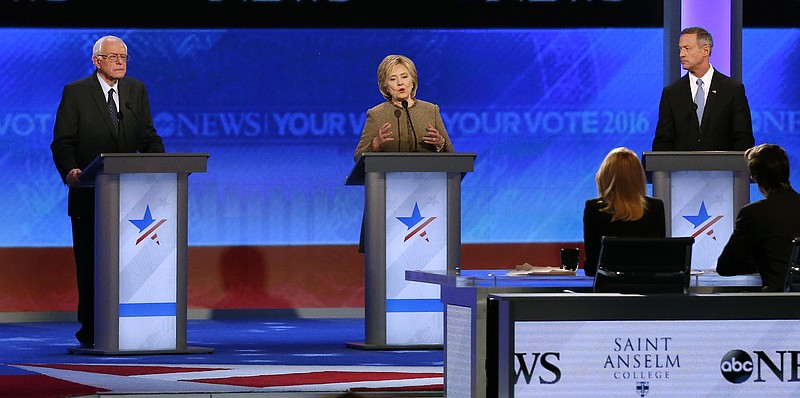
[
  {"x": 644, "y": 265},
  {"x": 793, "y": 277}
]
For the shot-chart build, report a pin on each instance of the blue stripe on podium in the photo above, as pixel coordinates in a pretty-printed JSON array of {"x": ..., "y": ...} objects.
[
  {"x": 414, "y": 305},
  {"x": 147, "y": 309}
]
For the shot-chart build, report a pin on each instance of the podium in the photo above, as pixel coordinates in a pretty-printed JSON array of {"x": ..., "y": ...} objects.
[
  {"x": 412, "y": 221},
  {"x": 141, "y": 252},
  {"x": 702, "y": 194}
]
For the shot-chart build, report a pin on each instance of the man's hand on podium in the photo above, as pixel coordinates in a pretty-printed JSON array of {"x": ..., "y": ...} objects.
[{"x": 73, "y": 178}]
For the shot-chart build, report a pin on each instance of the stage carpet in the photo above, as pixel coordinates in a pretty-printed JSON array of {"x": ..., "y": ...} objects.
[{"x": 275, "y": 357}]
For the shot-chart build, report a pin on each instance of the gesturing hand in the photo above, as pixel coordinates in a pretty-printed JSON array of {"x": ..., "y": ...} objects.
[
  {"x": 384, "y": 135},
  {"x": 433, "y": 137}
]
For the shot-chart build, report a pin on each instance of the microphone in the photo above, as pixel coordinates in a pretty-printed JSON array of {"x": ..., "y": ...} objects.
[
  {"x": 130, "y": 108},
  {"x": 414, "y": 132},
  {"x": 694, "y": 106},
  {"x": 120, "y": 129},
  {"x": 397, "y": 114}
]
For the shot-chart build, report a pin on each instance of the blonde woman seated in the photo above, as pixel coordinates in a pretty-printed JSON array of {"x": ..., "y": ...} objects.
[{"x": 622, "y": 208}]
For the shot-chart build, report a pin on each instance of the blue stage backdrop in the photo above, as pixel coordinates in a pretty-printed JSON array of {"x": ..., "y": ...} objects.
[{"x": 280, "y": 112}]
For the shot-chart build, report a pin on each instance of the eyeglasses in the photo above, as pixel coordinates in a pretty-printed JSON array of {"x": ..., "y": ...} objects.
[{"x": 115, "y": 57}]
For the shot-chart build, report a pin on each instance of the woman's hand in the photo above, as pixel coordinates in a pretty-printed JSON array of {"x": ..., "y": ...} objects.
[
  {"x": 384, "y": 136},
  {"x": 434, "y": 138}
]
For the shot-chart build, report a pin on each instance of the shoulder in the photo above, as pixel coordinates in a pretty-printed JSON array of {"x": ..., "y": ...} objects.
[
  {"x": 423, "y": 103},
  {"x": 678, "y": 84},
  {"x": 782, "y": 200},
  {"x": 721, "y": 80},
  {"x": 132, "y": 82},
  {"x": 654, "y": 206},
  {"x": 654, "y": 201},
  {"x": 594, "y": 204},
  {"x": 720, "y": 77},
  {"x": 426, "y": 106},
  {"x": 382, "y": 107},
  {"x": 82, "y": 84}
]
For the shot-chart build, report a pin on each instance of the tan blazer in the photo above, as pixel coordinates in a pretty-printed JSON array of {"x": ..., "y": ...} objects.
[{"x": 422, "y": 114}]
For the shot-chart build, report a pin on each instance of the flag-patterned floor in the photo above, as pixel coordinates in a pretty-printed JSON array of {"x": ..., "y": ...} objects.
[{"x": 63, "y": 380}]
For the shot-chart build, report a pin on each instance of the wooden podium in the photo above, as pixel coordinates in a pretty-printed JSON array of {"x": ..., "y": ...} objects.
[
  {"x": 702, "y": 193},
  {"x": 141, "y": 252},
  {"x": 412, "y": 222}
]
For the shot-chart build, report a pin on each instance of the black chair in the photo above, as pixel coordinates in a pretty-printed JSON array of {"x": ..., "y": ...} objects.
[
  {"x": 644, "y": 265},
  {"x": 793, "y": 277}
]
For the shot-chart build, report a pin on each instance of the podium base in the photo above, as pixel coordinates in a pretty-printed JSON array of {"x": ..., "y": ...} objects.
[
  {"x": 97, "y": 351},
  {"x": 393, "y": 347}
]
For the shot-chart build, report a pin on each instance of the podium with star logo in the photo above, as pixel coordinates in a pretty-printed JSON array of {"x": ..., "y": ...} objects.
[
  {"x": 141, "y": 252},
  {"x": 702, "y": 193},
  {"x": 412, "y": 221}
]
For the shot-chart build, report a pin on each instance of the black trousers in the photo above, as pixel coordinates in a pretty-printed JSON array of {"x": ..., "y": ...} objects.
[{"x": 83, "y": 248}]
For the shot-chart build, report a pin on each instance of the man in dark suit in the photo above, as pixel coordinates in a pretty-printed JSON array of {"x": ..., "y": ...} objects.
[
  {"x": 103, "y": 113},
  {"x": 704, "y": 110},
  {"x": 762, "y": 236}
]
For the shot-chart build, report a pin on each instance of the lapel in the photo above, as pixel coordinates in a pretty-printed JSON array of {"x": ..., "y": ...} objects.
[
  {"x": 713, "y": 96},
  {"x": 124, "y": 93},
  {"x": 686, "y": 92},
  {"x": 102, "y": 104}
]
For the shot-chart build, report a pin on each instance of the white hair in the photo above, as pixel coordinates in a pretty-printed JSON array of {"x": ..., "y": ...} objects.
[{"x": 98, "y": 45}]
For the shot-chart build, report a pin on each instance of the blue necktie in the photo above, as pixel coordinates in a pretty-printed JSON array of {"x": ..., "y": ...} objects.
[
  {"x": 112, "y": 110},
  {"x": 700, "y": 100}
]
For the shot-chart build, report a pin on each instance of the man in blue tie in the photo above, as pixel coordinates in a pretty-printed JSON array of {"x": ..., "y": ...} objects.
[{"x": 704, "y": 110}]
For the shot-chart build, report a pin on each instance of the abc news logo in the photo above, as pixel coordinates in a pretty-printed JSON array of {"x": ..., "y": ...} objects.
[{"x": 738, "y": 366}]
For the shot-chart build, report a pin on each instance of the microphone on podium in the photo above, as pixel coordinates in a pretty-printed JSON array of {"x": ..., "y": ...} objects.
[
  {"x": 397, "y": 114},
  {"x": 414, "y": 132},
  {"x": 130, "y": 108}
]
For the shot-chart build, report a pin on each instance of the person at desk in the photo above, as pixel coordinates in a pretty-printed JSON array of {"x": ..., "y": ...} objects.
[
  {"x": 103, "y": 113},
  {"x": 622, "y": 209},
  {"x": 390, "y": 126},
  {"x": 704, "y": 110},
  {"x": 762, "y": 235},
  {"x": 398, "y": 82}
]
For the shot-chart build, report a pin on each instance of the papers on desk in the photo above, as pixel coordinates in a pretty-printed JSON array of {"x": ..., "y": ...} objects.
[{"x": 527, "y": 269}]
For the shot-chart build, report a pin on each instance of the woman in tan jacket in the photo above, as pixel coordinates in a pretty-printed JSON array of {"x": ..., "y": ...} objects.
[{"x": 403, "y": 123}]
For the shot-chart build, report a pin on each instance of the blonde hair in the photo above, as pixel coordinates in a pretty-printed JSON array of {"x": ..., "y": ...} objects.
[
  {"x": 385, "y": 68},
  {"x": 621, "y": 185}
]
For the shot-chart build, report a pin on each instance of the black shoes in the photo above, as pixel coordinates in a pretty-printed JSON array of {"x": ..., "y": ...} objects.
[{"x": 86, "y": 344}]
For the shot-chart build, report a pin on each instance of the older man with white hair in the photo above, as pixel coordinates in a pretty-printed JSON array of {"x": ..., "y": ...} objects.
[{"x": 103, "y": 113}]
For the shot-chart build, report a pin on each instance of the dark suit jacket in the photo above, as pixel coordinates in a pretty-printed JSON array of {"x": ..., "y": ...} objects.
[
  {"x": 762, "y": 239},
  {"x": 83, "y": 130},
  {"x": 597, "y": 224},
  {"x": 726, "y": 126}
]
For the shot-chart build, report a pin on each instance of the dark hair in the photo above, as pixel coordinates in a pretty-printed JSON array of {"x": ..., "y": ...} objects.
[
  {"x": 769, "y": 166},
  {"x": 703, "y": 37}
]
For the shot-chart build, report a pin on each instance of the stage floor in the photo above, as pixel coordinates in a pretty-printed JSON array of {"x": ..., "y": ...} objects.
[{"x": 252, "y": 357}]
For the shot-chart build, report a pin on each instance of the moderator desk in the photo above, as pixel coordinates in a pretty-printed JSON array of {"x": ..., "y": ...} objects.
[
  {"x": 628, "y": 345},
  {"x": 464, "y": 296}
]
